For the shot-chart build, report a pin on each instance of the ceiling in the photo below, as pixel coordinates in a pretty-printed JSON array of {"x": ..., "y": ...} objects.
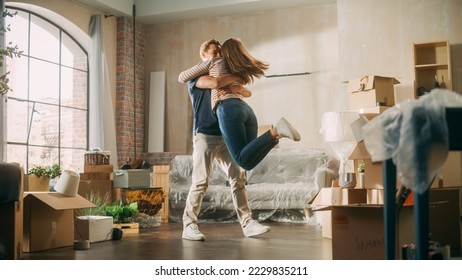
[{"x": 164, "y": 11}]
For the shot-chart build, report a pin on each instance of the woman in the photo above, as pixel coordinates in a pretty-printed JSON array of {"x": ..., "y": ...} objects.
[{"x": 238, "y": 123}]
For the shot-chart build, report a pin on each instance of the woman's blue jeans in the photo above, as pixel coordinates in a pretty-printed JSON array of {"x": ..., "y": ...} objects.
[{"x": 239, "y": 127}]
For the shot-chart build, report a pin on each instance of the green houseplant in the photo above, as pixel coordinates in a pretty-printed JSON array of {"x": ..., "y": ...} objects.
[
  {"x": 101, "y": 201},
  {"x": 39, "y": 177},
  {"x": 6, "y": 51},
  {"x": 122, "y": 213}
]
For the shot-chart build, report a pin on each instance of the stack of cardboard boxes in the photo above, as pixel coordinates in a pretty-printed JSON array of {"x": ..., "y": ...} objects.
[
  {"x": 353, "y": 218},
  {"x": 49, "y": 216},
  {"x": 96, "y": 182},
  {"x": 98, "y": 179}
]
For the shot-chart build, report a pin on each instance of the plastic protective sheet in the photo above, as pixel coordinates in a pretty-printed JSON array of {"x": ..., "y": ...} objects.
[
  {"x": 340, "y": 141},
  {"x": 279, "y": 188},
  {"x": 417, "y": 123}
]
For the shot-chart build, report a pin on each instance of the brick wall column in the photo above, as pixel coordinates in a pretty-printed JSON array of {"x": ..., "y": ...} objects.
[{"x": 130, "y": 98}]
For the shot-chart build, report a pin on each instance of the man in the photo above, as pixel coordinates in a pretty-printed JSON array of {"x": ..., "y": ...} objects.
[{"x": 208, "y": 145}]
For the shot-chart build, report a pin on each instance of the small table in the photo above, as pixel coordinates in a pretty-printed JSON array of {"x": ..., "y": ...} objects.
[{"x": 421, "y": 201}]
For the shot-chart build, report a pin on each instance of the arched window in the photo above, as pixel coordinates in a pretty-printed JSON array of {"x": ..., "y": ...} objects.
[{"x": 47, "y": 111}]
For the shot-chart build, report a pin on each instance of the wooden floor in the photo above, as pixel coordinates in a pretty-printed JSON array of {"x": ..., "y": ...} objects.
[{"x": 224, "y": 241}]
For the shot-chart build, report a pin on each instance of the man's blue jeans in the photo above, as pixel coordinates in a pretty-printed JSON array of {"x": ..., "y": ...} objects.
[{"x": 239, "y": 127}]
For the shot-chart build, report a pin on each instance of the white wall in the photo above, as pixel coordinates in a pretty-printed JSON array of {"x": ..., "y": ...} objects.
[
  {"x": 342, "y": 41},
  {"x": 376, "y": 37},
  {"x": 290, "y": 40}
]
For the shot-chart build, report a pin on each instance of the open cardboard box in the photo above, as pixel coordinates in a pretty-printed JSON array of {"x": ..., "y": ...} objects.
[
  {"x": 358, "y": 231},
  {"x": 49, "y": 220},
  {"x": 371, "y": 91}
]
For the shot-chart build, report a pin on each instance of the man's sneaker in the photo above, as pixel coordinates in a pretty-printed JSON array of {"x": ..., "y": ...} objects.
[
  {"x": 192, "y": 232},
  {"x": 254, "y": 228},
  {"x": 285, "y": 129}
]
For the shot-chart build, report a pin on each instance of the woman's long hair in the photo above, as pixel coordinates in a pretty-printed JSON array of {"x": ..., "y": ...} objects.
[{"x": 240, "y": 62}]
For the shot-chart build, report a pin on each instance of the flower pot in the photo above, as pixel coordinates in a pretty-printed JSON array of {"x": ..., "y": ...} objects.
[{"x": 38, "y": 184}]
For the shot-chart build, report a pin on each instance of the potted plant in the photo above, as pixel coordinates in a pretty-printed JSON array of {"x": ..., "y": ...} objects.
[
  {"x": 123, "y": 215},
  {"x": 39, "y": 177}
]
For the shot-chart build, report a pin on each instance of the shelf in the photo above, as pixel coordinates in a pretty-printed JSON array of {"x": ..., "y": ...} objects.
[
  {"x": 432, "y": 59},
  {"x": 431, "y": 66}
]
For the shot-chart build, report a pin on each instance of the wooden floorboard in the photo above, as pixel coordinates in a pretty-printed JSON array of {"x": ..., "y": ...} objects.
[{"x": 224, "y": 241}]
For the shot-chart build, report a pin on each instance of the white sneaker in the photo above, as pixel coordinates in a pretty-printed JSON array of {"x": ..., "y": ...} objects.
[
  {"x": 285, "y": 129},
  {"x": 192, "y": 232},
  {"x": 254, "y": 228}
]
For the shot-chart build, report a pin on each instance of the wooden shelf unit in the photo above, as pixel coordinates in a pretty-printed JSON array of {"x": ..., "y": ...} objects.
[{"x": 432, "y": 59}]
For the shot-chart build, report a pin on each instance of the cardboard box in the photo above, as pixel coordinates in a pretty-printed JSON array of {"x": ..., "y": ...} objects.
[
  {"x": 450, "y": 174},
  {"x": 360, "y": 151},
  {"x": 373, "y": 175},
  {"x": 100, "y": 185},
  {"x": 339, "y": 196},
  {"x": 161, "y": 178},
  {"x": 444, "y": 216},
  {"x": 358, "y": 231},
  {"x": 375, "y": 196},
  {"x": 101, "y": 168},
  {"x": 335, "y": 196},
  {"x": 93, "y": 228},
  {"x": 132, "y": 178},
  {"x": 95, "y": 176},
  {"x": 49, "y": 220},
  {"x": 371, "y": 110},
  {"x": 371, "y": 91}
]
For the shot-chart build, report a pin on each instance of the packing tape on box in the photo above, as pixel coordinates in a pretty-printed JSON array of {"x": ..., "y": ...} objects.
[
  {"x": 81, "y": 244},
  {"x": 68, "y": 183}
]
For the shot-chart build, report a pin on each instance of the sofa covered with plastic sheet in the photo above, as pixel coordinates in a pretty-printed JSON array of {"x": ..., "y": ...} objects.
[{"x": 279, "y": 188}]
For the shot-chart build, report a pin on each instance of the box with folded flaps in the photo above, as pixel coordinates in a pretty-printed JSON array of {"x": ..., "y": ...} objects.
[
  {"x": 49, "y": 220},
  {"x": 373, "y": 176},
  {"x": 335, "y": 196},
  {"x": 358, "y": 231},
  {"x": 370, "y": 91}
]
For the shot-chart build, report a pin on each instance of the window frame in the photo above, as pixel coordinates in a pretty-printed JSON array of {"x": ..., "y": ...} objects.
[{"x": 61, "y": 40}]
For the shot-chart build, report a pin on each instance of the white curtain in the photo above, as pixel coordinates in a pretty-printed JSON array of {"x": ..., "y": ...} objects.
[{"x": 102, "y": 122}]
